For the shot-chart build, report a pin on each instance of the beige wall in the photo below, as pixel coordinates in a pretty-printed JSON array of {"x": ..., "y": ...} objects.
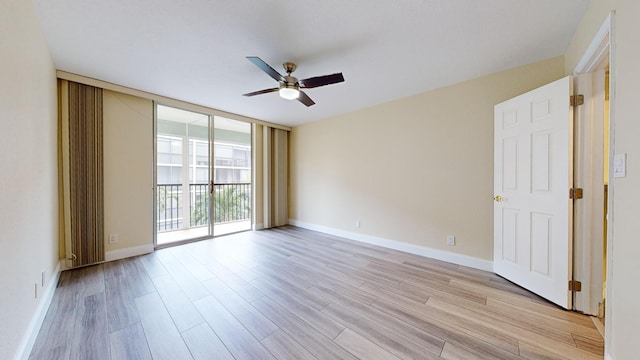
[
  {"x": 623, "y": 305},
  {"x": 28, "y": 170},
  {"x": 413, "y": 170},
  {"x": 128, "y": 170},
  {"x": 624, "y": 299}
]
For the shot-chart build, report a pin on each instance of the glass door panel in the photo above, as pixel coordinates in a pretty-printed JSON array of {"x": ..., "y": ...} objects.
[
  {"x": 183, "y": 168},
  {"x": 232, "y": 176}
]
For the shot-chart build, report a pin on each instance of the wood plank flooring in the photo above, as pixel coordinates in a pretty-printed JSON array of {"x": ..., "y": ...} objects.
[{"x": 290, "y": 293}]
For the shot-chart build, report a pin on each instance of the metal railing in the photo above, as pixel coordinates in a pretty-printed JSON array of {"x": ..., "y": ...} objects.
[
  {"x": 169, "y": 207},
  {"x": 199, "y": 201},
  {"x": 232, "y": 202}
]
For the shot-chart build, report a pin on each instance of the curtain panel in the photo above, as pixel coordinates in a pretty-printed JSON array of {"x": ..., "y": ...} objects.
[
  {"x": 271, "y": 177},
  {"x": 82, "y": 168}
]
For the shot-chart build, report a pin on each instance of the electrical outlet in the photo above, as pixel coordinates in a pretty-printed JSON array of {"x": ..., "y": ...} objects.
[
  {"x": 35, "y": 290},
  {"x": 358, "y": 224},
  {"x": 451, "y": 240},
  {"x": 113, "y": 238},
  {"x": 42, "y": 279}
]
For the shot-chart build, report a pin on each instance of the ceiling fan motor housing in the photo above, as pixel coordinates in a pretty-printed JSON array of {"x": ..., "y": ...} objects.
[
  {"x": 290, "y": 82},
  {"x": 289, "y": 67}
]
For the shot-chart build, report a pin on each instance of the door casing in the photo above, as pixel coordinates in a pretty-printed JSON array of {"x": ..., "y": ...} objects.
[{"x": 588, "y": 255}]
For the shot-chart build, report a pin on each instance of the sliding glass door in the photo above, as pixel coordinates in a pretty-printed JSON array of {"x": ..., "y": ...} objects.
[
  {"x": 183, "y": 175},
  {"x": 232, "y": 176},
  {"x": 196, "y": 197}
]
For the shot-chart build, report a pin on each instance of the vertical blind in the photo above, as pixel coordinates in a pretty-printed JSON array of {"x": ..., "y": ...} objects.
[
  {"x": 271, "y": 170},
  {"x": 278, "y": 207},
  {"x": 85, "y": 177}
]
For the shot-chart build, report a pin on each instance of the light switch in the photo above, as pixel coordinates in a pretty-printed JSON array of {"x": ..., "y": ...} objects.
[{"x": 620, "y": 165}]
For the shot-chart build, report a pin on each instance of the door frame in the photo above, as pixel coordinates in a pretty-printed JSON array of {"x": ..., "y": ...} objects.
[{"x": 588, "y": 268}]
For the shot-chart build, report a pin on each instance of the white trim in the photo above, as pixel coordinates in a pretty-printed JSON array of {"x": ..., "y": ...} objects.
[
  {"x": 597, "y": 49},
  {"x": 128, "y": 252},
  {"x": 608, "y": 356},
  {"x": 257, "y": 227},
  {"x": 613, "y": 73},
  {"x": 447, "y": 256},
  {"x": 30, "y": 335}
]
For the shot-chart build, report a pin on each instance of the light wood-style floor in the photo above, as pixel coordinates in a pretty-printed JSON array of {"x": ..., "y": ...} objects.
[{"x": 290, "y": 293}]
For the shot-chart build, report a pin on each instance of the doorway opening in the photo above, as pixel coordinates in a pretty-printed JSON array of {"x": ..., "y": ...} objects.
[
  {"x": 605, "y": 175},
  {"x": 592, "y": 173},
  {"x": 591, "y": 169}
]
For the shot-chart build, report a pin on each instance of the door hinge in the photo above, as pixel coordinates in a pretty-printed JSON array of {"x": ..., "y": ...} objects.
[
  {"x": 575, "y": 193},
  {"x": 576, "y": 100},
  {"x": 575, "y": 285}
]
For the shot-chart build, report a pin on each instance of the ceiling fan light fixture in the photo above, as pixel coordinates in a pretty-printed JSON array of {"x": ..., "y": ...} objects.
[
  {"x": 289, "y": 86},
  {"x": 289, "y": 93}
]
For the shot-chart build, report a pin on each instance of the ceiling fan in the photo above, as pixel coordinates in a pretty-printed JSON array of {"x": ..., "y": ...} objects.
[{"x": 290, "y": 86}]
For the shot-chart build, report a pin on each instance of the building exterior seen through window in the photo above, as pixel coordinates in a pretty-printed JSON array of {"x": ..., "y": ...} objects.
[{"x": 232, "y": 161}]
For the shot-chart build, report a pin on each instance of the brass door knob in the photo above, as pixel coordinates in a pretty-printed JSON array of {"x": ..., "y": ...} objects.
[{"x": 498, "y": 198}]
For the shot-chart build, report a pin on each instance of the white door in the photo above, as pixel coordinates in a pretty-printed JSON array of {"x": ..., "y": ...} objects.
[{"x": 533, "y": 150}]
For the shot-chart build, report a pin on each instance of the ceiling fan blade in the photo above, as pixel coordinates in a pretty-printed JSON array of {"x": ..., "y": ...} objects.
[
  {"x": 266, "y": 68},
  {"x": 305, "y": 99},
  {"x": 265, "y": 91},
  {"x": 321, "y": 80}
]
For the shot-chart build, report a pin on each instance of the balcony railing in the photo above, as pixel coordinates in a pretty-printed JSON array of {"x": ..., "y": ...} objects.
[
  {"x": 232, "y": 202},
  {"x": 199, "y": 201},
  {"x": 169, "y": 202}
]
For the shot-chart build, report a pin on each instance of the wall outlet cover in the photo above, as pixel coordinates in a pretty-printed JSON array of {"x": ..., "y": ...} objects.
[
  {"x": 451, "y": 240},
  {"x": 113, "y": 238}
]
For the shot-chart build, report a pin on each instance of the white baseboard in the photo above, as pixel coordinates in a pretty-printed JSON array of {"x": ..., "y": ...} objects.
[
  {"x": 258, "y": 227},
  {"x": 128, "y": 252},
  {"x": 30, "y": 335},
  {"x": 447, "y": 256}
]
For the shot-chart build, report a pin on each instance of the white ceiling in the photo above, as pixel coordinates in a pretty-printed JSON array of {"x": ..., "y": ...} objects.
[{"x": 194, "y": 50}]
